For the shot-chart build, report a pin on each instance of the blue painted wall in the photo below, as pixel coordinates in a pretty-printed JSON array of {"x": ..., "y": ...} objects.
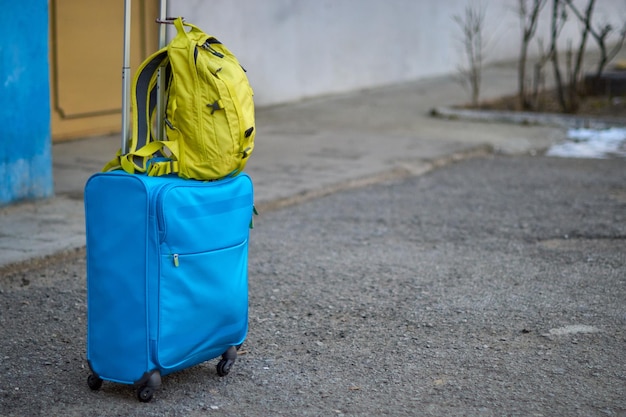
[{"x": 25, "y": 143}]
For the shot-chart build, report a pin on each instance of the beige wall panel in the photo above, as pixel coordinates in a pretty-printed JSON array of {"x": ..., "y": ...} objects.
[{"x": 86, "y": 60}]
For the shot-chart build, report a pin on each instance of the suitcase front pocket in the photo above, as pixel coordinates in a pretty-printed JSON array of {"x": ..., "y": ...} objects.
[{"x": 203, "y": 305}]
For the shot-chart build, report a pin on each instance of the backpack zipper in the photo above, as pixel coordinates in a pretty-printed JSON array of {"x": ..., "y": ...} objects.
[{"x": 207, "y": 46}]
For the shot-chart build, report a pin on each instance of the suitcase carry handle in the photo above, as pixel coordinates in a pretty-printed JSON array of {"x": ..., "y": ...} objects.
[{"x": 167, "y": 21}]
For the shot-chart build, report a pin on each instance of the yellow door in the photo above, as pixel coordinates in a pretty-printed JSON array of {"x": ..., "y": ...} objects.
[{"x": 86, "y": 51}]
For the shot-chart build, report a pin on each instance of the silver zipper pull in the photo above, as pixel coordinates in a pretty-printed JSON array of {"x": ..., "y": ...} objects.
[{"x": 175, "y": 256}]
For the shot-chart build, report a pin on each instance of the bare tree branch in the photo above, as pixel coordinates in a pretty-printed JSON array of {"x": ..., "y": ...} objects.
[
  {"x": 529, "y": 27},
  {"x": 600, "y": 37},
  {"x": 471, "y": 25},
  {"x": 556, "y": 24}
]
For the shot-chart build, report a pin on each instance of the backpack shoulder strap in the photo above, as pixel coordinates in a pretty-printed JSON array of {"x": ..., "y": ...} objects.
[
  {"x": 144, "y": 97},
  {"x": 143, "y": 102}
]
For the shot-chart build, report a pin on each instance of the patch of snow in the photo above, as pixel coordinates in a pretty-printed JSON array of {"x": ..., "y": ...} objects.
[
  {"x": 573, "y": 329},
  {"x": 592, "y": 143}
]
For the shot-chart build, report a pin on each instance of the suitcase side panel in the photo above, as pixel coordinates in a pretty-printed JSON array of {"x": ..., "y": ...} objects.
[{"x": 116, "y": 213}]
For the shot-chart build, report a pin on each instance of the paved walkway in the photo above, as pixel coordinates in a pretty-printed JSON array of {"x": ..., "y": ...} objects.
[{"x": 302, "y": 150}]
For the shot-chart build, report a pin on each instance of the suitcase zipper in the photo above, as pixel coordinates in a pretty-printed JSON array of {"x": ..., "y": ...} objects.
[{"x": 158, "y": 212}]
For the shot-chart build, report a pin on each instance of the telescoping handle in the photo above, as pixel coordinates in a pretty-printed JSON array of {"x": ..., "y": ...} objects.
[
  {"x": 160, "y": 104},
  {"x": 126, "y": 75},
  {"x": 126, "y": 79}
]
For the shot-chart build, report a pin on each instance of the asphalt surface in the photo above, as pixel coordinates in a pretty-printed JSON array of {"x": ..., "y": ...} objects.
[{"x": 492, "y": 286}]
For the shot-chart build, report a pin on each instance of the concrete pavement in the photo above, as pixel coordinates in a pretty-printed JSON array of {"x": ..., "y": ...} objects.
[{"x": 303, "y": 150}]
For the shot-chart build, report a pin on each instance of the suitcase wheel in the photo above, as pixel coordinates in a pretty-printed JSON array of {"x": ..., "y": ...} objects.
[
  {"x": 228, "y": 360},
  {"x": 223, "y": 367},
  {"x": 94, "y": 382},
  {"x": 144, "y": 394},
  {"x": 148, "y": 388}
]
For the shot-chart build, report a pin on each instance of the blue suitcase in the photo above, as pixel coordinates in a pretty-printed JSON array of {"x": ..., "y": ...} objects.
[{"x": 167, "y": 275}]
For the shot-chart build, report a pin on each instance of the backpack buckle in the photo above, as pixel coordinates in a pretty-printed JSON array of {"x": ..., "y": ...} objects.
[{"x": 216, "y": 105}]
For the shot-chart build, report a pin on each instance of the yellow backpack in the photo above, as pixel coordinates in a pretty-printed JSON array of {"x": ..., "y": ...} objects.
[{"x": 209, "y": 119}]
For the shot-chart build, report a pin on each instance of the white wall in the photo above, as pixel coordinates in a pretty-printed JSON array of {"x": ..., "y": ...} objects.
[{"x": 295, "y": 49}]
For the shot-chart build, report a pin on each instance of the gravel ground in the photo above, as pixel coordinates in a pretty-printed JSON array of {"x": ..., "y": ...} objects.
[{"x": 494, "y": 286}]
